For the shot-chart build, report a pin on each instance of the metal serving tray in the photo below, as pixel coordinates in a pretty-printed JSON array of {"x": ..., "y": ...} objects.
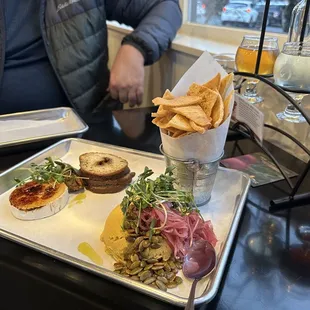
[
  {"x": 83, "y": 221},
  {"x": 38, "y": 126}
]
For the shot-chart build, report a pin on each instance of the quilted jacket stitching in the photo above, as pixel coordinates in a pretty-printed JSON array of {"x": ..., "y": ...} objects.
[
  {"x": 84, "y": 65},
  {"x": 86, "y": 91},
  {"x": 83, "y": 39},
  {"x": 84, "y": 12}
]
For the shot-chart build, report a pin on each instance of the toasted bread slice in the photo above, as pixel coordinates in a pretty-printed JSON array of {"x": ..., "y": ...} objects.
[
  {"x": 33, "y": 201},
  {"x": 102, "y": 164},
  {"x": 125, "y": 180},
  {"x": 106, "y": 189},
  {"x": 88, "y": 176}
]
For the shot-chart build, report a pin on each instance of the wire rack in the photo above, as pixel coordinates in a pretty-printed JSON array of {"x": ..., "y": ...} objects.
[{"x": 293, "y": 199}]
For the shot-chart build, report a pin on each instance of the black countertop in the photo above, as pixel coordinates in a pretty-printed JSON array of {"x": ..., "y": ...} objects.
[{"x": 267, "y": 268}]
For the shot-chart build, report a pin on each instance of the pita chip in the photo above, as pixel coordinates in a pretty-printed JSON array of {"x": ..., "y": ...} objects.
[
  {"x": 227, "y": 105},
  {"x": 178, "y": 133},
  {"x": 218, "y": 112},
  {"x": 168, "y": 95},
  {"x": 182, "y": 101},
  {"x": 194, "y": 113},
  {"x": 197, "y": 128},
  {"x": 208, "y": 100},
  {"x": 215, "y": 83},
  {"x": 225, "y": 83},
  {"x": 162, "y": 111},
  {"x": 180, "y": 122},
  {"x": 162, "y": 122},
  {"x": 185, "y": 134},
  {"x": 196, "y": 90},
  {"x": 172, "y": 129},
  {"x": 156, "y": 115}
]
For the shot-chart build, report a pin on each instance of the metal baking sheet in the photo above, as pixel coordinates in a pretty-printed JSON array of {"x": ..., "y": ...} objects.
[
  {"x": 83, "y": 221},
  {"x": 34, "y": 126}
]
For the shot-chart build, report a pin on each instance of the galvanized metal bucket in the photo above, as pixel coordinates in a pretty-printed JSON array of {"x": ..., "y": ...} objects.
[{"x": 194, "y": 176}]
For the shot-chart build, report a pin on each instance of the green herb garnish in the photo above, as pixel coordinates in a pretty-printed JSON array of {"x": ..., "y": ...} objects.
[
  {"x": 145, "y": 193},
  {"x": 52, "y": 171}
]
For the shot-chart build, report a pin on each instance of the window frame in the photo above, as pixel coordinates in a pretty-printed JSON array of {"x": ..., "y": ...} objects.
[{"x": 222, "y": 34}]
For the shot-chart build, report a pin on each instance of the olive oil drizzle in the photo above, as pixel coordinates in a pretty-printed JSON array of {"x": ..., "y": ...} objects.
[
  {"x": 87, "y": 250},
  {"x": 77, "y": 200}
]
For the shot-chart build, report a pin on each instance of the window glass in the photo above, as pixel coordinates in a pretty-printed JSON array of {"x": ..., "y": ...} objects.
[{"x": 241, "y": 14}]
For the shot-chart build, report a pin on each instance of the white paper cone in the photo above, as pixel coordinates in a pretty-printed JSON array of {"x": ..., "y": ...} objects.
[{"x": 205, "y": 147}]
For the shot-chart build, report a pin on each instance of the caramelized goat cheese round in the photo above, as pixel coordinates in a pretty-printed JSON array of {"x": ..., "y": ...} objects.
[{"x": 33, "y": 200}]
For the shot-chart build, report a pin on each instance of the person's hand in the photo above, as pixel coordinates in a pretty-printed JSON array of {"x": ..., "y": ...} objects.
[{"x": 127, "y": 76}]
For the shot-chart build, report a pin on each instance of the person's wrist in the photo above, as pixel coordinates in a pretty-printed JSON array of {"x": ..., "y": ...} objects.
[{"x": 132, "y": 48}]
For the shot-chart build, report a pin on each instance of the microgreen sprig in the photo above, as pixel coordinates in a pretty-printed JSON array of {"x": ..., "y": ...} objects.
[
  {"x": 52, "y": 171},
  {"x": 146, "y": 192}
]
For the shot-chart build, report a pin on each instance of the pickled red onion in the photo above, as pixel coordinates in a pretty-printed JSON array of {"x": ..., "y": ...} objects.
[{"x": 179, "y": 230}]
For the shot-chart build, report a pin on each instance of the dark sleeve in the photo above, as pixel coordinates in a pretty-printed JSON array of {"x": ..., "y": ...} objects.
[{"x": 156, "y": 23}]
